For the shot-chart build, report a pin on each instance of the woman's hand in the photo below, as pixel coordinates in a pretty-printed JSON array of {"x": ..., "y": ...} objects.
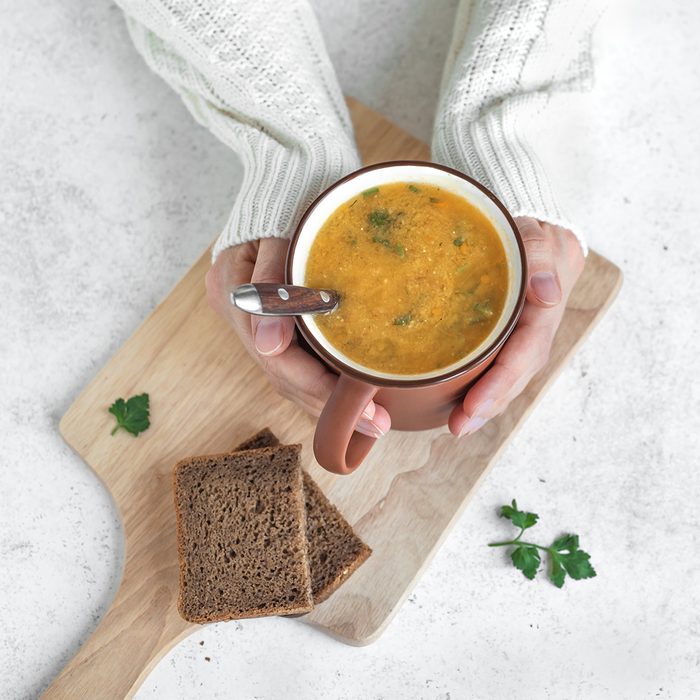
[
  {"x": 294, "y": 373},
  {"x": 555, "y": 261}
]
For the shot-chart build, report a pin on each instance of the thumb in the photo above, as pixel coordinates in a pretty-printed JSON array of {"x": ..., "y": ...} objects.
[
  {"x": 544, "y": 287},
  {"x": 271, "y": 334}
]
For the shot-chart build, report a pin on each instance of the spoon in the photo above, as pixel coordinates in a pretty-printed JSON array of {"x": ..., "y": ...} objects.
[{"x": 270, "y": 299}]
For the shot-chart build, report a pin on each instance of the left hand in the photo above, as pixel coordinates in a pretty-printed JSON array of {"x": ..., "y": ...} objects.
[
  {"x": 555, "y": 261},
  {"x": 294, "y": 373}
]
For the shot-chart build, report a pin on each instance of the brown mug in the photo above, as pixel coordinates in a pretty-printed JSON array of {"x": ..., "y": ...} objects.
[{"x": 414, "y": 402}]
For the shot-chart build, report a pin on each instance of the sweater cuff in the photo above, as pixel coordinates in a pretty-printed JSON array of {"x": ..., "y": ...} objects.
[
  {"x": 279, "y": 184},
  {"x": 494, "y": 150}
]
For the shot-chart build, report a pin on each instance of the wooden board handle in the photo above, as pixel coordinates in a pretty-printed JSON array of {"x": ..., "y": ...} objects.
[{"x": 139, "y": 629}]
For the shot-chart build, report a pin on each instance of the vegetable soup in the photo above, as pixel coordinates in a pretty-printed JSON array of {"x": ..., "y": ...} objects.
[{"x": 422, "y": 275}]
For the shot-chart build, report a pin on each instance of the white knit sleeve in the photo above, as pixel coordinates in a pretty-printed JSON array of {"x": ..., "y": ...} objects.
[
  {"x": 256, "y": 73},
  {"x": 507, "y": 58}
]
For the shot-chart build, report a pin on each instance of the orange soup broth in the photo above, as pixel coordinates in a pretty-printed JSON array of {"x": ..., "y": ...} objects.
[{"x": 422, "y": 275}]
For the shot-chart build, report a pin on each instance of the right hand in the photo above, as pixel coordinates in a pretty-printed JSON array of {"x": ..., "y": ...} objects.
[{"x": 294, "y": 373}]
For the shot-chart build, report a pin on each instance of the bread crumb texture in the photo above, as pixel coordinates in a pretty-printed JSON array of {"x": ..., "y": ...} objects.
[{"x": 241, "y": 535}]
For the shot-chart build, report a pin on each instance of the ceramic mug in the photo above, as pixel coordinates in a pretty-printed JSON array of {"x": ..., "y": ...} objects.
[{"x": 414, "y": 402}]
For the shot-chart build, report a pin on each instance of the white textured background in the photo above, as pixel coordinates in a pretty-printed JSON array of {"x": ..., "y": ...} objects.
[{"x": 108, "y": 192}]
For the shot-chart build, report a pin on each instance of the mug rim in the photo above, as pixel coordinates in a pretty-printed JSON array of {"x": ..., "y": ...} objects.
[{"x": 409, "y": 382}]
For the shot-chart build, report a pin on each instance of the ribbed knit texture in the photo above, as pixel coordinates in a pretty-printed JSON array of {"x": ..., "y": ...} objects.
[
  {"x": 505, "y": 62},
  {"x": 257, "y": 74}
]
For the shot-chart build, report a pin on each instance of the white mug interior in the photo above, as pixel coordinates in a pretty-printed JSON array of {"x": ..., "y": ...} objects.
[{"x": 417, "y": 174}]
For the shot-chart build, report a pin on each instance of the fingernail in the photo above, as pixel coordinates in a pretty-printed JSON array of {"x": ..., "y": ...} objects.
[
  {"x": 478, "y": 420},
  {"x": 268, "y": 336},
  {"x": 546, "y": 287},
  {"x": 367, "y": 427},
  {"x": 472, "y": 425},
  {"x": 369, "y": 411}
]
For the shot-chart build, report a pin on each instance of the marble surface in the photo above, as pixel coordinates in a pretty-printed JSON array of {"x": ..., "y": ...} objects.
[{"x": 109, "y": 192}]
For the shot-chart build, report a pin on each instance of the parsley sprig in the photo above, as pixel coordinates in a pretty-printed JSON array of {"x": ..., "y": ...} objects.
[
  {"x": 565, "y": 557},
  {"x": 132, "y": 415}
]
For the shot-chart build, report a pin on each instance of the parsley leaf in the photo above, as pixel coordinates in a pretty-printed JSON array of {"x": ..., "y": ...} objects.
[
  {"x": 556, "y": 572},
  {"x": 394, "y": 247},
  {"x": 578, "y": 565},
  {"x": 566, "y": 543},
  {"x": 519, "y": 518},
  {"x": 379, "y": 218},
  {"x": 132, "y": 415},
  {"x": 565, "y": 557},
  {"x": 527, "y": 559}
]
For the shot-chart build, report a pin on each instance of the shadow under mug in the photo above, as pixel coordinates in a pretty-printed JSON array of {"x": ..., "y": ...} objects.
[{"x": 414, "y": 402}]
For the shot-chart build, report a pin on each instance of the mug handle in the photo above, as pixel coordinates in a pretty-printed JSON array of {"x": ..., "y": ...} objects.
[{"x": 337, "y": 447}]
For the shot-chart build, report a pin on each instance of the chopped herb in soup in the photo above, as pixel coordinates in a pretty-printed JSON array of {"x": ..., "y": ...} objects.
[{"x": 422, "y": 275}]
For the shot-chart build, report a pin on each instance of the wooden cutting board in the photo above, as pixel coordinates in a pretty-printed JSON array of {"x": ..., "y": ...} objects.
[{"x": 206, "y": 396}]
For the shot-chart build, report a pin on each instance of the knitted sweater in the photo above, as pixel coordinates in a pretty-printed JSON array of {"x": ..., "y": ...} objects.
[{"x": 257, "y": 74}]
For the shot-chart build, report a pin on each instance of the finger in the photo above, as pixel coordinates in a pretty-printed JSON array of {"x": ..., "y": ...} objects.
[
  {"x": 271, "y": 334},
  {"x": 523, "y": 355},
  {"x": 374, "y": 421},
  {"x": 301, "y": 378},
  {"x": 544, "y": 286},
  {"x": 257, "y": 261},
  {"x": 295, "y": 374}
]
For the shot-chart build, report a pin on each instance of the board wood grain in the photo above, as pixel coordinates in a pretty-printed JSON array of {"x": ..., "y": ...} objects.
[{"x": 206, "y": 396}]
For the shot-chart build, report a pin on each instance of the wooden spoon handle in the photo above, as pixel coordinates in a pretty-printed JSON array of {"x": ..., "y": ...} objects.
[{"x": 269, "y": 299}]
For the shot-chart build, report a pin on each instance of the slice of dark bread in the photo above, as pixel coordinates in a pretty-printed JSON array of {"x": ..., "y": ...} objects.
[
  {"x": 335, "y": 551},
  {"x": 241, "y": 535},
  {"x": 264, "y": 438}
]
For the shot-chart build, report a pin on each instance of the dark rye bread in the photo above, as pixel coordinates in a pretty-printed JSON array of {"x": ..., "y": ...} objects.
[
  {"x": 335, "y": 551},
  {"x": 264, "y": 438},
  {"x": 241, "y": 535}
]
